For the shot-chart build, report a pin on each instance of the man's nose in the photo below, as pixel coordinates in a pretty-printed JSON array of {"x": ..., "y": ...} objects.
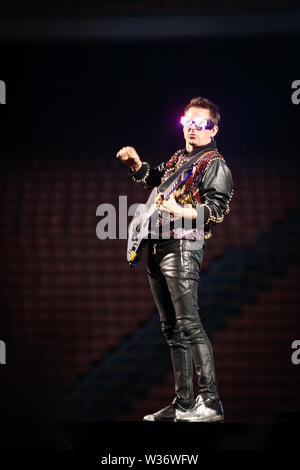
[{"x": 192, "y": 125}]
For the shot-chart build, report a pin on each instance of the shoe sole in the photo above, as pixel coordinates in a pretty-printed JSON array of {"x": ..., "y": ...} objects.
[
  {"x": 159, "y": 420},
  {"x": 217, "y": 419}
]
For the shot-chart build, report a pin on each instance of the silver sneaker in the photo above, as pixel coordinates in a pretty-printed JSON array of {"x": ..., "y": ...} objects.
[
  {"x": 204, "y": 411},
  {"x": 169, "y": 413}
]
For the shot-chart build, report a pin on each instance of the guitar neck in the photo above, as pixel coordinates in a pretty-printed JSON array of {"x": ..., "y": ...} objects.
[
  {"x": 171, "y": 187},
  {"x": 166, "y": 185}
]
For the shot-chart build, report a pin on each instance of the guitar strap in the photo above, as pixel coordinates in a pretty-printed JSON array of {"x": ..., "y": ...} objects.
[{"x": 162, "y": 187}]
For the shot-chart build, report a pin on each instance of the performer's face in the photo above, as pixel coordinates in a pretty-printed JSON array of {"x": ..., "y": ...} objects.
[{"x": 193, "y": 136}]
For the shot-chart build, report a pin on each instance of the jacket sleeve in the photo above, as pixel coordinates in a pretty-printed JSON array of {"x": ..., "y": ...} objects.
[
  {"x": 148, "y": 176},
  {"x": 216, "y": 190}
]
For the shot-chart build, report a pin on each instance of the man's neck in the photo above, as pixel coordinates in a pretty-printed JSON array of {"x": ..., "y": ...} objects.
[{"x": 210, "y": 145}]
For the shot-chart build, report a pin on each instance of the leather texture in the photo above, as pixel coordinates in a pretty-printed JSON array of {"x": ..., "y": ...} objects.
[{"x": 173, "y": 273}]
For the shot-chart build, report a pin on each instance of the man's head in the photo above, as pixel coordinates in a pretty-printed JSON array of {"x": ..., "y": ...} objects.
[{"x": 200, "y": 109}]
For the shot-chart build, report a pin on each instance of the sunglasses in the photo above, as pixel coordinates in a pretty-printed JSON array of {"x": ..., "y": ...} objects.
[{"x": 199, "y": 123}]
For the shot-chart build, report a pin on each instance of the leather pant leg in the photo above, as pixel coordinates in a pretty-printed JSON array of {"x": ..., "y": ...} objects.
[
  {"x": 180, "y": 350},
  {"x": 174, "y": 278}
]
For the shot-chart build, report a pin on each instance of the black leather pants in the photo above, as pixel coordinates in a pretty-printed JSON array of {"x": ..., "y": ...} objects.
[{"x": 173, "y": 272}]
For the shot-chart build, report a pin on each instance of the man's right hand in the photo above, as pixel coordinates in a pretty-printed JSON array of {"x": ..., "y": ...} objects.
[{"x": 129, "y": 156}]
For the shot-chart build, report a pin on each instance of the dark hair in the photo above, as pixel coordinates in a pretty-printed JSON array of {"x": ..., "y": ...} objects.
[{"x": 200, "y": 102}]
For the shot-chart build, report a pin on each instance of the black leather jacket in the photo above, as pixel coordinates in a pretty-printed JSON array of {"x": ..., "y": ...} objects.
[{"x": 215, "y": 187}]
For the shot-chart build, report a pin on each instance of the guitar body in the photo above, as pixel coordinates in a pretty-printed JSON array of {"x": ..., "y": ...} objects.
[{"x": 138, "y": 230}]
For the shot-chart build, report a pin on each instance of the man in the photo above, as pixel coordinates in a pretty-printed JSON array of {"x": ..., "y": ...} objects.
[{"x": 174, "y": 264}]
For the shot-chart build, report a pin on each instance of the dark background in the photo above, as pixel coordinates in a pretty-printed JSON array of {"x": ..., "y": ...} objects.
[{"x": 81, "y": 330}]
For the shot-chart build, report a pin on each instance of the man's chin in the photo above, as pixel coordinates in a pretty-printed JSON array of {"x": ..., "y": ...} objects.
[{"x": 193, "y": 143}]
